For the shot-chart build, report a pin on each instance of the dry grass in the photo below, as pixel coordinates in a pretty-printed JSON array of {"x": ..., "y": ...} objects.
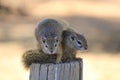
[
  {"x": 94, "y": 8},
  {"x": 101, "y": 66},
  {"x": 10, "y": 62}
]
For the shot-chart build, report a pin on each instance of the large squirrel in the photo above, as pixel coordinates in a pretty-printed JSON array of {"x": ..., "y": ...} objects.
[
  {"x": 48, "y": 34},
  {"x": 71, "y": 42}
]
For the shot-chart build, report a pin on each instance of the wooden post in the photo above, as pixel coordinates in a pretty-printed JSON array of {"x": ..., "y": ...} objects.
[{"x": 61, "y": 71}]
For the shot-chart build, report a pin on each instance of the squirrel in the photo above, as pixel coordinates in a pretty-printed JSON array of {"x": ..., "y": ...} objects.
[
  {"x": 71, "y": 42},
  {"x": 48, "y": 34},
  {"x": 37, "y": 56}
]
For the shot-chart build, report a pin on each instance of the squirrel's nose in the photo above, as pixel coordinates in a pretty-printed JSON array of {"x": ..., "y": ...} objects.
[
  {"x": 51, "y": 51},
  {"x": 86, "y": 48}
]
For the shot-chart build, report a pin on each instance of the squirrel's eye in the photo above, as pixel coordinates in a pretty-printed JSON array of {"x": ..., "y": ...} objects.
[
  {"x": 46, "y": 46},
  {"x": 73, "y": 38},
  {"x": 55, "y": 45},
  {"x": 79, "y": 42},
  {"x": 43, "y": 41},
  {"x": 56, "y": 40}
]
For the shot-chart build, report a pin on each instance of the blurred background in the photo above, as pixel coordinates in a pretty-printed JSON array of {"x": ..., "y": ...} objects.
[{"x": 98, "y": 20}]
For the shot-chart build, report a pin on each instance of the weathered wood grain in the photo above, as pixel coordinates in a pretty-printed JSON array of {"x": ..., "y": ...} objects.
[
  {"x": 43, "y": 72},
  {"x": 51, "y": 72},
  {"x": 61, "y": 71},
  {"x": 67, "y": 71},
  {"x": 34, "y": 71}
]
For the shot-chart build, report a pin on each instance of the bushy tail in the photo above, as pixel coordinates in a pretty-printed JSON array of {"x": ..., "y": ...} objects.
[{"x": 31, "y": 56}]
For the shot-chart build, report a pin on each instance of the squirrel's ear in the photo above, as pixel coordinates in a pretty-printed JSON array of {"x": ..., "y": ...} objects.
[{"x": 72, "y": 37}]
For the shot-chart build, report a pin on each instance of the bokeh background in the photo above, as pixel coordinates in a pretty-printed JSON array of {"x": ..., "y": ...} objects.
[{"x": 98, "y": 20}]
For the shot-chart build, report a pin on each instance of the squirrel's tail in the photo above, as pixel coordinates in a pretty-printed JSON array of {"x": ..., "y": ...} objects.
[{"x": 31, "y": 56}]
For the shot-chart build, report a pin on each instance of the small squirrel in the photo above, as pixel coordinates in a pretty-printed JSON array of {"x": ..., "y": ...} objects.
[
  {"x": 71, "y": 42},
  {"x": 48, "y": 34}
]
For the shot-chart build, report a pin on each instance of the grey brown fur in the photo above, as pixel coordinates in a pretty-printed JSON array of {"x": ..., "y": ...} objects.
[
  {"x": 68, "y": 53},
  {"x": 48, "y": 34},
  {"x": 69, "y": 50},
  {"x": 37, "y": 56}
]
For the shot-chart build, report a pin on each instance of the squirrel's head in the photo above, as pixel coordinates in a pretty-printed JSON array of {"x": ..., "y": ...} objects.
[
  {"x": 50, "y": 45},
  {"x": 76, "y": 41}
]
